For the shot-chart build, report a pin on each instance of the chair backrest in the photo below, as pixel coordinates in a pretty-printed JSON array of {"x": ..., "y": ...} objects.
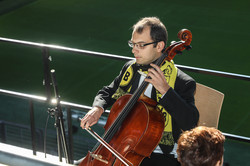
[{"x": 209, "y": 102}]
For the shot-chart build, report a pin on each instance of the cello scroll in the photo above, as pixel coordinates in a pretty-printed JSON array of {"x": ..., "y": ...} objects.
[{"x": 177, "y": 47}]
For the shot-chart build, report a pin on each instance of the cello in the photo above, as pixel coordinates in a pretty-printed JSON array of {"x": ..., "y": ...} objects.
[{"x": 135, "y": 125}]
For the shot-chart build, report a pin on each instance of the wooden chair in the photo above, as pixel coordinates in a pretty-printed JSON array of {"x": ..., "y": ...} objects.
[{"x": 209, "y": 102}]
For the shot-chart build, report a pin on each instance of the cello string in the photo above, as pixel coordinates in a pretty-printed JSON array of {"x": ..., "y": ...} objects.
[{"x": 117, "y": 123}]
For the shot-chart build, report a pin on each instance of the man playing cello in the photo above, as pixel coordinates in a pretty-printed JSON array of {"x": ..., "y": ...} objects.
[{"x": 169, "y": 86}]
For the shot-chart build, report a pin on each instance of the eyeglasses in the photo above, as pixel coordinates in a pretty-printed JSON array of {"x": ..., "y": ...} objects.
[{"x": 139, "y": 45}]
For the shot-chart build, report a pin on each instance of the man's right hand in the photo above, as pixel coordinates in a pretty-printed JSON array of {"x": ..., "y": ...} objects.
[{"x": 91, "y": 117}]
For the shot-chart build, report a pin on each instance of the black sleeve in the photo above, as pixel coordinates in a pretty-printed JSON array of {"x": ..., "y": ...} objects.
[
  {"x": 104, "y": 96},
  {"x": 179, "y": 102}
]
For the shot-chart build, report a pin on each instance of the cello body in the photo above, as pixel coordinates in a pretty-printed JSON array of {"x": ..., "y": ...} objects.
[{"x": 138, "y": 136}]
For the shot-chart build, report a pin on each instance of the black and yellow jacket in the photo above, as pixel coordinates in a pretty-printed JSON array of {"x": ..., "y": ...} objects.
[{"x": 178, "y": 101}]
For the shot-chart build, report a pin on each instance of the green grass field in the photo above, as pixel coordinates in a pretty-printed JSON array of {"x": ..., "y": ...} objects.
[{"x": 220, "y": 42}]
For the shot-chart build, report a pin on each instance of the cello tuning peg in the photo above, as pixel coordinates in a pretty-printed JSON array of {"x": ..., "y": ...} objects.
[
  {"x": 172, "y": 42},
  {"x": 188, "y": 47}
]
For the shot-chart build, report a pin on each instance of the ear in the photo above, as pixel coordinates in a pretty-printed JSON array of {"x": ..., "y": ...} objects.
[{"x": 160, "y": 46}]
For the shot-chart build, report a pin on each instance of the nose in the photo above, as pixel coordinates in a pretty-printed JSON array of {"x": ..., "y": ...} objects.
[{"x": 134, "y": 50}]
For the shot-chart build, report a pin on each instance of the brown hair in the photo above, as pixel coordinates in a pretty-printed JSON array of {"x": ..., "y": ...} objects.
[
  {"x": 201, "y": 146},
  {"x": 158, "y": 31}
]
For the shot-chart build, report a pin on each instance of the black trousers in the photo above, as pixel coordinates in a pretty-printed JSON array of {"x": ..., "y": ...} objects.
[{"x": 157, "y": 159}]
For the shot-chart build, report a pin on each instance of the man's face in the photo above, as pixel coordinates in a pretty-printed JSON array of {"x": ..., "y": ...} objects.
[{"x": 148, "y": 53}]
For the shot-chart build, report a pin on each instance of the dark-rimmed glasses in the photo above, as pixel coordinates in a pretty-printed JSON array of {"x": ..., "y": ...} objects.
[{"x": 139, "y": 45}]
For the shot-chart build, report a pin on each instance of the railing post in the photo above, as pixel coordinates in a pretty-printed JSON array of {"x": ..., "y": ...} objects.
[
  {"x": 70, "y": 136},
  {"x": 3, "y": 133},
  {"x": 32, "y": 127}
]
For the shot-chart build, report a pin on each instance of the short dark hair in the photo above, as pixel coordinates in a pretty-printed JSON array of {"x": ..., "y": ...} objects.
[
  {"x": 158, "y": 31},
  {"x": 201, "y": 146}
]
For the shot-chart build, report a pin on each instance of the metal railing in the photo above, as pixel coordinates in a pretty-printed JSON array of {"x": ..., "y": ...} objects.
[
  {"x": 69, "y": 106},
  {"x": 124, "y": 58}
]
